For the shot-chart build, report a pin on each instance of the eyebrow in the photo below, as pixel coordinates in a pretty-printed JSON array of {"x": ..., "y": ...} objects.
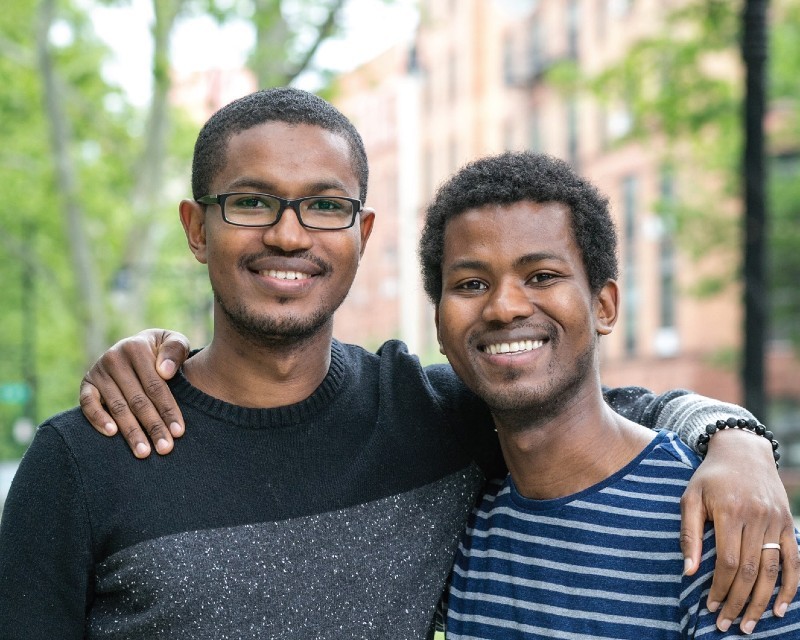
[
  {"x": 267, "y": 187},
  {"x": 524, "y": 260}
]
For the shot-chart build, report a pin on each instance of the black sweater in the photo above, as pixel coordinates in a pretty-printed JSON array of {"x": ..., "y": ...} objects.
[{"x": 336, "y": 517}]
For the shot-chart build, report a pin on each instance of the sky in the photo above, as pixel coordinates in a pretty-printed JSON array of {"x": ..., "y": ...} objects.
[{"x": 370, "y": 27}]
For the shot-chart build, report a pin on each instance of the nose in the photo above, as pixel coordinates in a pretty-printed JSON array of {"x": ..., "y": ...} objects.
[
  {"x": 288, "y": 234},
  {"x": 508, "y": 301}
]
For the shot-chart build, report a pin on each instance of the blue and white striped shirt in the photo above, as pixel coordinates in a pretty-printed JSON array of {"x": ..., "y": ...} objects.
[{"x": 603, "y": 563}]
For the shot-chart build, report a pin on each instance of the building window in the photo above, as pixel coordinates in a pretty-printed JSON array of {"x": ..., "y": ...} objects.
[
  {"x": 452, "y": 77},
  {"x": 573, "y": 29},
  {"x": 667, "y": 251},
  {"x": 535, "y": 130},
  {"x": 572, "y": 133},
  {"x": 508, "y": 61},
  {"x": 630, "y": 187},
  {"x": 536, "y": 49}
]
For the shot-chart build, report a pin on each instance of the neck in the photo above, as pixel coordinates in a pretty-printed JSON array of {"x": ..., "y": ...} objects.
[
  {"x": 558, "y": 455},
  {"x": 265, "y": 375}
]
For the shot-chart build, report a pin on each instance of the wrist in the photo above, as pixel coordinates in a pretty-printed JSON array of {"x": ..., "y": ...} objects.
[{"x": 761, "y": 436}]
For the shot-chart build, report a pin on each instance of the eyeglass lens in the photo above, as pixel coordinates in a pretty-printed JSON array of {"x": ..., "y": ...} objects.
[{"x": 259, "y": 210}]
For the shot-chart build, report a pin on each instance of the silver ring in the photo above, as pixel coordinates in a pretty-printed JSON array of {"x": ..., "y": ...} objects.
[{"x": 770, "y": 545}]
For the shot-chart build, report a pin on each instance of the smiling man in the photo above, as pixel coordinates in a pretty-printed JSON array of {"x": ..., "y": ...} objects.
[
  {"x": 582, "y": 538},
  {"x": 319, "y": 490}
]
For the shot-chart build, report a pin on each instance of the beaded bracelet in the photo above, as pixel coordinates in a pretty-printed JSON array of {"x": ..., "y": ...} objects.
[{"x": 738, "y": 423}]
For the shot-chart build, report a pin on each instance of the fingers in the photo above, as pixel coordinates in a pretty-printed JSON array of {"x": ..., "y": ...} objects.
[
  {"x": 106, "y": 383},
  {"x": 148, "y": 405},
  {"x": 747, "y": 554},
  {"x": 769, "y": 566},
  {"x": 790, "y": 562},
  {"x": 92, "y": 408},
  {"x": 693, "y": 519},
  {"x": 138, "y": 403},
  {"x": 728, "y": 543}
]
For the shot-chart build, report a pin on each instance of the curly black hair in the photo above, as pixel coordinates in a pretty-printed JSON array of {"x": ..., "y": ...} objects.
[
  {"x": 513, "y": 177},
  {"x": 279, "y": 104}
]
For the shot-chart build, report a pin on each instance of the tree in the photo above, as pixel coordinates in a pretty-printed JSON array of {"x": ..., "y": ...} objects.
[{"x": 679, "y": 90}]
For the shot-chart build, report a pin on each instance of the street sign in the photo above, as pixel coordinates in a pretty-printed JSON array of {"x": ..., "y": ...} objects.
[{"x": 14, "y": 393}]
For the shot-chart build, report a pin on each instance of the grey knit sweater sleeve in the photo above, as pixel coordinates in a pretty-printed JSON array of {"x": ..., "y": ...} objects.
[
  {"x": 688, "y": 415},
  {"x": 681, "y": 411}
]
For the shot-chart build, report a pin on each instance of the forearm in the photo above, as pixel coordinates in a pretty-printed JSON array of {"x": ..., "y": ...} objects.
[{"x": 687, "y": 415}]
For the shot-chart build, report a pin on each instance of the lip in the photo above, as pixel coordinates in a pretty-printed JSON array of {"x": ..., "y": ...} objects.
[{"x": 285, "y": 275}]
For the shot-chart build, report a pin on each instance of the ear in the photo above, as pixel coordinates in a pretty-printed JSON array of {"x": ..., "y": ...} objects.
[
  {"x": 606, "y": 308},
  {"x": 367, "y": 216},
  {"x": 193, "y": 219},
  {"x": 438, "y": 333}
]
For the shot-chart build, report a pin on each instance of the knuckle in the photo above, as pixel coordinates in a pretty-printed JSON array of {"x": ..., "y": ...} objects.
[
  {"x": 154, "y": 387},
  {"x": 138, "y": 402},
  {"x": 156, "y": 430},
  {"x": 771, "y": 569},
  {"x": 118, "y": 407},
  {"x": 727, "y": 562},
  {"x": 748, "y": 571},
  {"x": 131, "y": 432}
]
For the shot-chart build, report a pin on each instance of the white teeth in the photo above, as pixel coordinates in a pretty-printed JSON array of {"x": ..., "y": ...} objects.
[
  {"x": 513, "y": 347},
  {"x": 285, "y": 275}
]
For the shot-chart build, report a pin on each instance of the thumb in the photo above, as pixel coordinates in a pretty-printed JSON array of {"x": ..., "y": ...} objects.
[
  {"x": 693, "y": 519},
  {"x": 172, "y": 353}
]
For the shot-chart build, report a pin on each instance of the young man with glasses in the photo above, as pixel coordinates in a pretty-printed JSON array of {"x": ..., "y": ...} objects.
[{"x": 319, "y": 489}]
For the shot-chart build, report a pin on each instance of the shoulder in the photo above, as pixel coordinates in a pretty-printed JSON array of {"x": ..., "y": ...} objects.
[{"x": 670, "y": 452}]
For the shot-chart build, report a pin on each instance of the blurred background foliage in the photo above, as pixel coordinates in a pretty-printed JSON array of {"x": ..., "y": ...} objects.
[{"x": 90, "y": 247}]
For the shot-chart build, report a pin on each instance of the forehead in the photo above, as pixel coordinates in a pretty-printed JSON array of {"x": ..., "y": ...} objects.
[
  {"x": 509, "y": 231},
  {"x": 288, "y": 157}
]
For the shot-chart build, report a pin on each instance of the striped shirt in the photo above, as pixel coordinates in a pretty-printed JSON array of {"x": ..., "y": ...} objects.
[{"x": 603, "y": 563}]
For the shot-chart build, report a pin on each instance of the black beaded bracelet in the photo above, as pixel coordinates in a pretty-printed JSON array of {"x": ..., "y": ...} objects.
[{"x": 738, "y": 423}]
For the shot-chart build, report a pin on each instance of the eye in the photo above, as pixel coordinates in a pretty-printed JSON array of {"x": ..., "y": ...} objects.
[
  {"x": 471, "y": 285},
  {"x": 539, "y": 278},
  {"x": 250, "y": 202},
  {"x": 327, "y": 204}
]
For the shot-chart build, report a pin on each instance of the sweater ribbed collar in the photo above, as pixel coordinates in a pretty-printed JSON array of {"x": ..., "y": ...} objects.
[{"x": 321, "y": 400}]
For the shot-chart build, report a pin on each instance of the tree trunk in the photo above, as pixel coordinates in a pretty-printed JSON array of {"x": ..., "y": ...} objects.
[
  {"x": 89, "y": 308},
  {"x": 135, "y": 274}
]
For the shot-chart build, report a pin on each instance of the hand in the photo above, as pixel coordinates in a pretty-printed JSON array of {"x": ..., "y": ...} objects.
[
  {"x": 128, "y": 380},
  {"x": 738, "y": 488}
]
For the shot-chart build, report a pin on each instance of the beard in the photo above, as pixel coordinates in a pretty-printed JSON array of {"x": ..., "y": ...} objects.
[
  {"x": 518, "y": 409},
  {"x": 264, "y": 330}
]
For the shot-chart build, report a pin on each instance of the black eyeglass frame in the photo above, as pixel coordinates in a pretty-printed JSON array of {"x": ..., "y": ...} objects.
[{"x": 293, "y": 203}]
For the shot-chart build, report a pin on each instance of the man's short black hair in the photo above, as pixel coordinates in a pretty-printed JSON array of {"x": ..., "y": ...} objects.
[
  {"x": 280, "y": 104},
  {"x": 513, "y": 177}
]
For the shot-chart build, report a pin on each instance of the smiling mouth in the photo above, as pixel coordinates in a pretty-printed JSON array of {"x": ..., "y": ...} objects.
[
  {"x": 512, "y": 347},
  {"x": 285, "y": 275}
]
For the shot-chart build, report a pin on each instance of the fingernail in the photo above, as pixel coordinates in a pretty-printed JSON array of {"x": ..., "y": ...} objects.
[
  {"x": 162, "y": 445},
  {"x": 781, "y": 610},
  {"x": 713, "y": 606},
  {"x": 687, "y": 564},
  {"x": 748, "y": 627},
  {"x": 142, "y": 450},
  {"x": 724, "y": 624},
  {"x": 176, "y": 429},
  {"x": 111, "y": 428},
  {"x": 167, "y": 367}
]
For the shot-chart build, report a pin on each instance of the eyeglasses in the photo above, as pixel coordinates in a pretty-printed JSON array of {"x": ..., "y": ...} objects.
[{"x": 326, "y": 213}]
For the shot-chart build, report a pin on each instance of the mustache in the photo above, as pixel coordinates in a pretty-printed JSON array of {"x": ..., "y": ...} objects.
[{"x": 248, "y": 259}]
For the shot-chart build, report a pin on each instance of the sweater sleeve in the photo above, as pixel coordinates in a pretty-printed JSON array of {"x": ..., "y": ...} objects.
[
  {"x": 681, "y": 411},
  {"x": 45, "y": 546}
]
